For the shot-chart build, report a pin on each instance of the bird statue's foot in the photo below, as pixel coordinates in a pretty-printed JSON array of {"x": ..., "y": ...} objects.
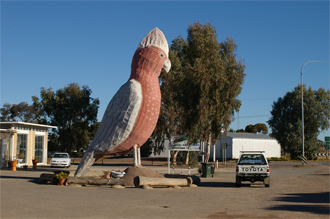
[
  {"x": 136, "y": 156},
  {"x": 85, "y": 163}
]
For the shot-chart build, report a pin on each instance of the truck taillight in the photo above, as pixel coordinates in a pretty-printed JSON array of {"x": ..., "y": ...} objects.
[
  {"x": 236, "y": 170},
  {"x": 267, "y": 169}
]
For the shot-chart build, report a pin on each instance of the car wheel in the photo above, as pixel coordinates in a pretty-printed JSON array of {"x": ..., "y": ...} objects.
[
  {"x": 238, "y": 181},
  {"x": 267, "y": 181}
]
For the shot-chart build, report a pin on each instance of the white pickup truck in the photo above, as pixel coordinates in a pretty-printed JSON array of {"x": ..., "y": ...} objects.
[{"x": 252, "y": 166}]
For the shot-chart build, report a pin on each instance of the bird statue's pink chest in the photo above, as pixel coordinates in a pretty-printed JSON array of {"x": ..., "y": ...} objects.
[
  {"x": 146, "y": 67},
  {"x": 150, "y": 107}
]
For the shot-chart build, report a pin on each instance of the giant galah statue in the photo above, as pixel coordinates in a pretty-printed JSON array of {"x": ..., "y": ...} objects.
[{"x": 132, "y": 114}]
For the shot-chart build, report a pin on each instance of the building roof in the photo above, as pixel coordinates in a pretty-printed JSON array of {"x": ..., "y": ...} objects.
[
  {"x": 28, "y": 124},
  {"x": 7, "y": 131},
  {"x": 248, "y": 135}
]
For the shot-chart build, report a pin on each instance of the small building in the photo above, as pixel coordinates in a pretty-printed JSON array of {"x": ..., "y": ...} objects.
[
  {"x": 23, "y": 142},
  {"x": 237, "y": 142}
]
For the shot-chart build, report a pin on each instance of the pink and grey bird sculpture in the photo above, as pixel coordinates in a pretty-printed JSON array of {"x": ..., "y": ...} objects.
[{"x": 132, "y": 114}]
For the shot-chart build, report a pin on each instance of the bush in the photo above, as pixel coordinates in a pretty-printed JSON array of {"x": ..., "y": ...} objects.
[
  {"x": 283, "y": 158},
  {"x": 62, "y": 175},
  {"x": 193, "y": 157}
]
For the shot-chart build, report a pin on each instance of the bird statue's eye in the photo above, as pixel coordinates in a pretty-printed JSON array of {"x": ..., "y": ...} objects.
[{"x": 162, "y": 55}]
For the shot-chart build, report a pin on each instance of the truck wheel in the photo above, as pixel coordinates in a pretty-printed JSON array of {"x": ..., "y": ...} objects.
[
  {"x": 238, "y": 181},
  {"x": 267, "y": 181}
]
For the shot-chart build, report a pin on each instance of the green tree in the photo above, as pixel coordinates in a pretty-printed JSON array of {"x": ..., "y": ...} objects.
[
  {"x": 188, "y": 157},
  {"x": 5, "y": 112},
  {"x": 74, "y": 111},
  {"x": 22, "y": 112},
  {"x": 218, "y": 77},
  {"x": 250, "y": 129},
  {"x": 240, "y": 131},
  {"x": 259, "y": 127},
  {"x": 286, "y": 122},
  {"x": 199, "y": 94}
]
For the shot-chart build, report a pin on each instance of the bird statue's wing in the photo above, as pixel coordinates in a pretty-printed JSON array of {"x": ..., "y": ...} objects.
[{"x": 117, "y": 124}]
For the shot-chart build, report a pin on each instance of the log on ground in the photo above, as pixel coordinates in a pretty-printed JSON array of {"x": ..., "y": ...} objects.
[
  {"x": 141, "y": 181},
  {"x": 95, "y": 181},
  {"x": 47, "y": 177},
  {"x": 194, "y": 178}
]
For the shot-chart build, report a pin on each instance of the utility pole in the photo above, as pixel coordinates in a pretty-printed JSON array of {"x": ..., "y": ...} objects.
[{"x": 304, "y": 161}]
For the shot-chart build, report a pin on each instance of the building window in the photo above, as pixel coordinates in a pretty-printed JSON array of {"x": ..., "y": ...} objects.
[
  {"x": 39, "y": 144},
  {"x": 21, "y": 147}
]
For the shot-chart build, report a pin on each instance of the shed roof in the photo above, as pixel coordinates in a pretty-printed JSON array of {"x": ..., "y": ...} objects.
[
  {"x": 29, "y": 124},
  {"x": 248, "y": 135},
  {"x": 7, "y": 131}
]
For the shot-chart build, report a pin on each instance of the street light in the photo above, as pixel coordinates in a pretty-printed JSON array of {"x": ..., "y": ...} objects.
[{"x": 302, "y": 111}]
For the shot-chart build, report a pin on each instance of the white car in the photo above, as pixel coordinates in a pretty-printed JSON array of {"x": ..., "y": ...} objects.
[{"x": 60, "y": 160}]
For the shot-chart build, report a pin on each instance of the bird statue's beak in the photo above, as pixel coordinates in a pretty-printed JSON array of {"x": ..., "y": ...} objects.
[{"x": 167, "y": 65}]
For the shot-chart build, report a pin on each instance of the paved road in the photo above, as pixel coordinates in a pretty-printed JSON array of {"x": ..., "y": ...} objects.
[{"x": 295, "y": 192}]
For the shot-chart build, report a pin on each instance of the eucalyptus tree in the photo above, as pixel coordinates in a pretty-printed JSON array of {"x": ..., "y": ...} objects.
[
  {"x": 73, "y": 111},
  {"x": 286, "y": 123},
  {"x": 199, "y": 94},
  {"x": 216, "y": 77},
  {"x": 22, "y": 112},
  {"x": 259, "y": 127}
]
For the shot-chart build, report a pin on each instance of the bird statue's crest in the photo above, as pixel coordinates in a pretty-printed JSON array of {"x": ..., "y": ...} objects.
[{"x": 155, "y": 38}]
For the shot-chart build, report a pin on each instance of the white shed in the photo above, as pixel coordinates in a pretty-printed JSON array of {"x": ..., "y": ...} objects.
[{"x": 237, "y": 142}]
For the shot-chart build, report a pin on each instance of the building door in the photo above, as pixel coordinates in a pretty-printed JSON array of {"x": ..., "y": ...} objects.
[
  {"x": 5, "y": 152},
  {"x": 39, "y": 145},
  {"x": 21, "y": 147}
]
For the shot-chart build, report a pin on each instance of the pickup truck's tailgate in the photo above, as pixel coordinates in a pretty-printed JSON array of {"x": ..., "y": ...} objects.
[{"x": 243, "y": 169}]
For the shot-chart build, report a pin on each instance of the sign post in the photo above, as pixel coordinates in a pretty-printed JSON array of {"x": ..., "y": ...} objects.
[
  {"x": 327, "y": 142},
  {"x": 169, "y": 158},
  {"x": 180, "y": 143},
  {"x": 224, "y": 152}
]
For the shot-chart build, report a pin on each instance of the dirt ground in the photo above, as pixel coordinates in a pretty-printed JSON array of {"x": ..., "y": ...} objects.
[{"x": 295, "y": 192}]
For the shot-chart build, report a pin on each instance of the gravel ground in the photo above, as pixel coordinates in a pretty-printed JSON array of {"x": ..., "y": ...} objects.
[{"x": 295, "y": 192}]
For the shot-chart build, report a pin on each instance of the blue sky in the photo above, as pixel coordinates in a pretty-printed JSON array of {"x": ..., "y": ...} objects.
[{"x": 51, "y": 44}]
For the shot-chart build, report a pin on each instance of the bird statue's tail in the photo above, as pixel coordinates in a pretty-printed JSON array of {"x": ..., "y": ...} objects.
[{"x": 86, "y": 162}]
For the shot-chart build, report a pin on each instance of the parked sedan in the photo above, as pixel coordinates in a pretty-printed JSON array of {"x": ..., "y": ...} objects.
[{"x": 60, "y": 160}]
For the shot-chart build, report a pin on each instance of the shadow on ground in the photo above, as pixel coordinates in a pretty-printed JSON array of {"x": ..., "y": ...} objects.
[
  {"x": 39, "y": 169},
  {"x": 18, "y": 177},
  {"x": 216, "y": 184},
  {"x": 112, "y": 164},
  {"x": 312, "y": 198},
  {"x": 315, "y": 209},
  {"x": 323, "y": 197}
]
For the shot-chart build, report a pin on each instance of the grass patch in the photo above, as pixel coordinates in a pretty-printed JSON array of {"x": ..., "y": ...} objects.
[{"x": 282, "y": 158}]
